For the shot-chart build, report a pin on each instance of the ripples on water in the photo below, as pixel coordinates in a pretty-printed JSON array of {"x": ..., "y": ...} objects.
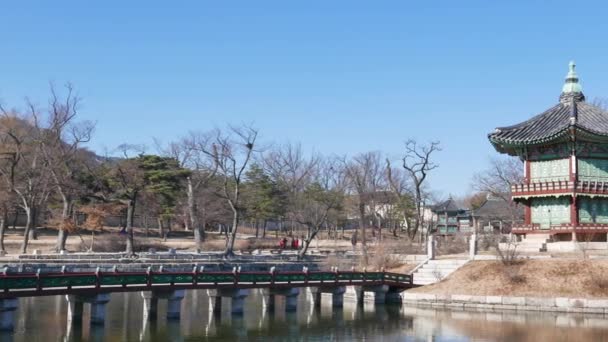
[{"x": 45, "y": 319}]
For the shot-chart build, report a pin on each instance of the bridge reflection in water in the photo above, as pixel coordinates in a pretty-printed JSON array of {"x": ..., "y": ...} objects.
[{"x": 46, "y": 319}]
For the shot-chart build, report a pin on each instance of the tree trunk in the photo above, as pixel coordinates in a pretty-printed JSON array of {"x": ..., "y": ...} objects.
[
  {"x": 363, "y": 237},
  {"x": 33, "y": 234},
  {"x": 28, "y": 226},
  {"x": 3, "y": 225},
  {"x": 62, "y": 235},
  {"x": 15, "y": 218},
  {"x": 129, "y": 226},
  {"x": 264, "y": 229},
  {"x": 199, "y": 231},
  {"x": 232, "y": 237},
  {"x": 161, "y": 227},
  {"x": 257, "y": 229},
  {"x": 307, "y": 242},
  {"x": 146, "y": 224}
]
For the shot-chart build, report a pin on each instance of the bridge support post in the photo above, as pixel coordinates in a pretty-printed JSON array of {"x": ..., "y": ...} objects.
[
  {"x": 337, "y": 296},
  {"x": 268, "y": 300},
  {"x": 174, "y": 304},
  {"x": 336, "y": 292},
  {"x": 315, "y": 295},
  {"x": 356, "y": 292},
  {"x": 237, "y": 297},
  {"x": 291, "y": 299},
  {"x": 98, "y": 307},
  {"x": 150, "y": 305},
  {"x": 215, "y": 302},
  {"x": 380, "y": 293},
  {"x": 290, "y": 294},
  {"x": 75, "y": 306},
  {"x": 393, "y": 296},
  {"x": 238, "y": 301},
  {"x": 7, "y": 313}
]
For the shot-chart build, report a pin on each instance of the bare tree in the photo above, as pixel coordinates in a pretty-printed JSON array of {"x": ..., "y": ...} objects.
[
  {"x": 61, "y": 141},
  {"x": 231, "y": 152},
  {"x": 497, "y": 180},
  {"x": 7, "y": 201},
  {"x": 417, "y": 164},
  {"x": 499, "y": 176},
  {"x": 22, "y": 167},
  {"x": 366, "y": 176},
  {"x": 190, "y": 152},
  {"x": 400, "y": 187},
  {"x": 321, "y": 196},
  {"x": 292, "y": 170}
]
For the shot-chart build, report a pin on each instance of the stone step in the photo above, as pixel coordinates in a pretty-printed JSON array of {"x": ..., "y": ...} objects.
[
  {"x": 441, "y": 267},
  {"x": 431, "y": 270},
  {"x": 531, "y": 250},
  {"x": 537, "y": 237},
  {"x": 529, "y": 243},
  {"x": 427, "y": 280},
  {"x": 446, "y": 262}
]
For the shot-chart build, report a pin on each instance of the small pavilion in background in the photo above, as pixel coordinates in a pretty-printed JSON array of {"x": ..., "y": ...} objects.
[{"x": 449, "y": 218}]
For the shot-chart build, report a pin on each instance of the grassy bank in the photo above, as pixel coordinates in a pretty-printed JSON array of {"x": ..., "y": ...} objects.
[{"x": 534, "y": 278}]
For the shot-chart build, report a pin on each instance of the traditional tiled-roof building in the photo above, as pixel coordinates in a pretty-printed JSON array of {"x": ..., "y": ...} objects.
[
  {"x": 450, "y": 218},
  {"x": 565, "y": 154},
  {"x": 497, "y": 215}
]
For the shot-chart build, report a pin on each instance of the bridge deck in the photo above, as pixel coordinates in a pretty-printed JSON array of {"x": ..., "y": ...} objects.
[{"x": 47, "y": 284}]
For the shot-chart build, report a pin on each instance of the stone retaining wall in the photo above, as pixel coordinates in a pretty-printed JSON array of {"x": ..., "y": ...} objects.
[{"x": 558, "y": 304}]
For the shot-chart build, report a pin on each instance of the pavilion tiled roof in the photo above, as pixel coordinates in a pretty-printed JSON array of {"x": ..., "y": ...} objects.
[
  {"x": 447, "y": 206},
  {"x": 571, "y": 117}
]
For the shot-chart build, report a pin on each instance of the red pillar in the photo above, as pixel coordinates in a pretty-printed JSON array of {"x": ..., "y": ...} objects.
[
  {"x": 573, "y": 212},
  {"x": 527, "y": 171},
  {"x": 528, "y": 212}
]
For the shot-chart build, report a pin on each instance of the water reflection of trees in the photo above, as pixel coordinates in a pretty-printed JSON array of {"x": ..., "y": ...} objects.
[{"x": 46, "y": 319}]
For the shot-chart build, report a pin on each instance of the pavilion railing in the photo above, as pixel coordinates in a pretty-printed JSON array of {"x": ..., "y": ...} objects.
[{"x": 550, "y": 187}]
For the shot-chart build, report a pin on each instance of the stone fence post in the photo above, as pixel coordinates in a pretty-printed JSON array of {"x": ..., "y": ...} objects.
[
  {"x": 430, "y": 247},
  {"x": 472, "y": 246}
]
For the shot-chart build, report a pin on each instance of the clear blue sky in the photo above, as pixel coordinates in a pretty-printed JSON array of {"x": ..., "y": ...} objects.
[{"x": 338, "y": 76}]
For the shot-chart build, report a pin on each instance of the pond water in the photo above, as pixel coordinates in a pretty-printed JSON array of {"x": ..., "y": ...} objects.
[{"x": 46, "y": 319}]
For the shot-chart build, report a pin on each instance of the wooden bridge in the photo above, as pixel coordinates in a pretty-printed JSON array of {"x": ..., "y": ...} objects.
[{"x": 95, "y": 288}]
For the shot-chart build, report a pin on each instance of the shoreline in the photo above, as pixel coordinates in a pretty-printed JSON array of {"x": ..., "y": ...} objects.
[{"x": 508, "y": 303}]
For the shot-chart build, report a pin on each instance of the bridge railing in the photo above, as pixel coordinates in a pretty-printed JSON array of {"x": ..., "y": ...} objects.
[{"x": 13, "y": 283}]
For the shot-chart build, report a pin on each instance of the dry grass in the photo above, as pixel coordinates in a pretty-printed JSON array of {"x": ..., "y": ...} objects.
[
  {"x": 117, "y": 243},
  {"x": 537, "y": 278},
  {"x": 385, "y": 256},
  {"x": 380, "y": 257}
]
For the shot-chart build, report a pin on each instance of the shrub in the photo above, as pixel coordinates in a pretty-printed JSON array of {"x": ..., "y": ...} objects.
[
  {"x": 513, "y": 274},
  {"x": 508, "y": 255},
  {"x": 381, "y": 257}
]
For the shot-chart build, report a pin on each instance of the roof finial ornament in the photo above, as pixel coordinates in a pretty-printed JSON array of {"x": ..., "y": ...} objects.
[{"x": 572, "y": 89}]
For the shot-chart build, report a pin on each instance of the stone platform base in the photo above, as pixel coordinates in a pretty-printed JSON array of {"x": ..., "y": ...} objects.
[{"x": 558, "y": 304}]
